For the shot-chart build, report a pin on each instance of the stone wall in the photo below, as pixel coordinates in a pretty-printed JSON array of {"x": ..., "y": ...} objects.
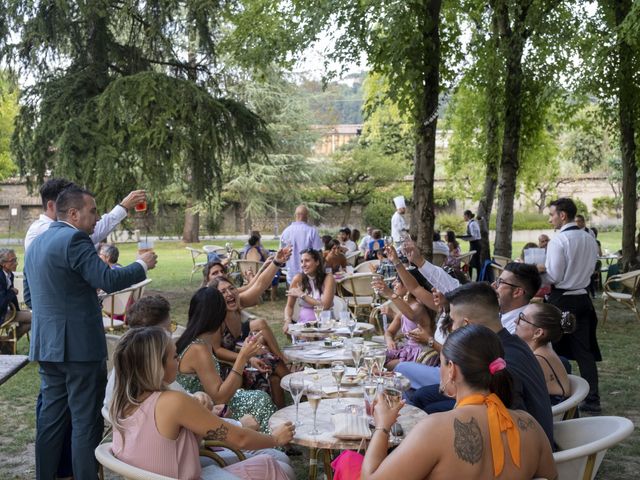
[{"x": 14, "y": 198}]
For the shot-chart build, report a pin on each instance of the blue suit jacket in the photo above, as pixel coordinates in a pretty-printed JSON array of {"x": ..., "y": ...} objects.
[{"x": 64, "y": 273}]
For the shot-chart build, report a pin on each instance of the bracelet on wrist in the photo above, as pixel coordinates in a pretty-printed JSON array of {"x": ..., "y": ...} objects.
[
  {"x": 382, "y": 429},
  {"x": 278, "y": 264},
  {"x": 125, "y": 208},
  {"x": 236, "y": 372}
]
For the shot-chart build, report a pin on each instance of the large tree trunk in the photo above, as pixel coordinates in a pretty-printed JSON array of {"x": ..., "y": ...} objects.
[
  {"x": 627, "y": 101},
  {"x": 492, "y": 154},
  {"x": 427, "y": 119},
  {"x": 513, "y": 42},
  {"x": 191, "y": 225},
  {"x": 190, "y": 232}
]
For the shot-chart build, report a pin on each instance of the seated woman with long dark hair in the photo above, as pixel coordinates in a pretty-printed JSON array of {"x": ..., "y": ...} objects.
[
  {"x": 270, "y": 366},
  {"x": 480, "y": 438},
  {"x": 540, "y": 325},
  {"x": 312, "y": 287},
  {"x": 159, "y": 430},
  {"x": 199, "y": 369}
]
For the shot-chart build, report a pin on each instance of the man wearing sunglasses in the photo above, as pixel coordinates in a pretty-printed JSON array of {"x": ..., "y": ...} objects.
[{"x": 516, "y": 286}]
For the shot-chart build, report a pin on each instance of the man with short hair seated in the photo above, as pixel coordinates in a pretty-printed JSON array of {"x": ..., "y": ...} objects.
[
  {"x": 477, "y": 303},
  {"x": 516, "y": 286}
]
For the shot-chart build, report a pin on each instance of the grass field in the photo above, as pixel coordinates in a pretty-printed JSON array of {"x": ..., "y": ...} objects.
[{"x": 619, "y": 371}]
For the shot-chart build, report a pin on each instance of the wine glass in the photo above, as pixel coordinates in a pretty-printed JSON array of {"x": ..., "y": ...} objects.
[
  {"x": 368, "y": 363},
  {"x": 393, "y": 396},
  {"x": 337, "y": 370},
  {"x": 370, "y": 390},
  {"x": 356, "y": 354},
  {"x": 314, "y": 395},
  {"x": 379, "y": 359},
  {"x": 317, "y": 310},
  {"x": 351, "y": 325},
  {"x": 296, "y": 387},
  {"x": 376, "y": 292}
]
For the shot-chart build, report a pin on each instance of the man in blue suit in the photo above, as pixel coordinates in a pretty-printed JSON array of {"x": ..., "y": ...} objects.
[{"x": 67, "y": 333}]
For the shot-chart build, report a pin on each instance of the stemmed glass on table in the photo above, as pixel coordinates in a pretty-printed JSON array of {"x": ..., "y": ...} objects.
[
  {"x": 337, "y": 370},
  {"x": 351, "y": 325},
  {"x": 369, "y": 361},
  {"x": 356, "y": 354},
  {"x": 314, "y": 395},
  {"x": 379, "y": 359},
  {"x": 296, "y": 387}
]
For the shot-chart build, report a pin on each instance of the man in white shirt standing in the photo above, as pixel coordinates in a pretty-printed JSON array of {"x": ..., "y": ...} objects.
[
  {"x": 398, "y": 224},
  {"x": 50, "y": 190},
  {"x": 571, "y": 255},
  {"x": 516, "y": 286}
]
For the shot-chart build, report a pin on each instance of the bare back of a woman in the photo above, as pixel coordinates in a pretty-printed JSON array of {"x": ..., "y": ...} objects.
[{"x": 457, "y": 444}]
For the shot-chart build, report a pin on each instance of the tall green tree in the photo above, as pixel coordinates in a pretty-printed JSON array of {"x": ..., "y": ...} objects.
[
  {"x": 8, "y": 111},
  {"x": 126, "y": 94},
  {"x": 611, "y": 72},
  {"x": 402, "y": 42}
]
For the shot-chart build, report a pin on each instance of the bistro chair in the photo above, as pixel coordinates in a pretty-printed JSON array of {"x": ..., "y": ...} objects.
[
  {"x": 567, "y": 409},
  {"x": 583, "y": 442},
  {"x": 365, "y": 267},
  {"x": 438, "y": 259},
  {"x": 631, "y": 282},
  {"x": 195, "y": 254},
  {"x": 357, "y": 292},
  {"x": 115, "y": 305},
  {"x": 9, "y": 329}
]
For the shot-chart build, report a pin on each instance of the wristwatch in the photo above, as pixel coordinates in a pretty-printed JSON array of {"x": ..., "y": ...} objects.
[{"x": 278, "y": 264}]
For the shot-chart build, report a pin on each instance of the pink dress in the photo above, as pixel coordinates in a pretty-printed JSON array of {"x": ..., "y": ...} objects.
[
  {"x": 411, "y": 349},
  {"x": 144, "y": 447}
]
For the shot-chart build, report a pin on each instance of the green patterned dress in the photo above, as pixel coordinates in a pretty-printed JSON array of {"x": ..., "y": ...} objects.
[{"x": 256, "y": 403}]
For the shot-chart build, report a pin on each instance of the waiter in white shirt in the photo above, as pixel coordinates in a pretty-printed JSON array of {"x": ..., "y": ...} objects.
[
  {"x": 398, "y": 224},
  {"x": 571, "y": 255}
]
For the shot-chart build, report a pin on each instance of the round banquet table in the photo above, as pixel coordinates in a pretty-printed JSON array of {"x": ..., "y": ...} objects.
[
  {"x": 324, "y": 378},
  {"x": 316, "y": 353},
  {"x": 325, "y": 442},
  {"x": 301, "y": 330}
]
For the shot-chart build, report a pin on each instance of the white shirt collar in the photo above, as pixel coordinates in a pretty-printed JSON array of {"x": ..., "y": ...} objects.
[
  {"x": 570, "y": 224},
  {"x": 72, "y": 226}
]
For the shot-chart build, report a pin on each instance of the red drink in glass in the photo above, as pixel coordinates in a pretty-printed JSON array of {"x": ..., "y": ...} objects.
[{"x": 141, "y": 206}]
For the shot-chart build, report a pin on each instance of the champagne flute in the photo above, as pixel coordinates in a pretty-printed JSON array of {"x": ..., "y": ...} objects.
[
  {"x": 368, "y": 363},
  {"x": 351, "y": 325},
  {"x": 393, "y": 396},
  {"x": 356, "y": 354},
  {"x": 317, "y": 310},
  {"x": 314, "y": 395},
  {"x": 296, "y": 387},
  {"x": 380, "y": 357},
  {"x": 370, "y": 390},
  {"x": 337, "y": 370}
]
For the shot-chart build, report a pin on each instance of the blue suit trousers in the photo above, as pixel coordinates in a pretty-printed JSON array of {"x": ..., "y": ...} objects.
[{"x": 75, "y": 390}]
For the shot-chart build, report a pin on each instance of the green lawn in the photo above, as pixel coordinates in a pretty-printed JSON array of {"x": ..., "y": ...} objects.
[{"x": 619, "y": 372}]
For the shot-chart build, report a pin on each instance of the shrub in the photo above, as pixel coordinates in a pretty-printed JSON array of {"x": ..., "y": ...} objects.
[
  {"x": 525, "y": 221},
  {"x": 450, "y": 221}
]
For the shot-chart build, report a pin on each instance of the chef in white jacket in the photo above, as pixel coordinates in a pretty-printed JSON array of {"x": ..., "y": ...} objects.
[{"x": 398, "y": 224}]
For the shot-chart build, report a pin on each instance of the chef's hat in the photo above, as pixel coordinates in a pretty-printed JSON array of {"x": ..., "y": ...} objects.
[{"x": 399, "y": 202}]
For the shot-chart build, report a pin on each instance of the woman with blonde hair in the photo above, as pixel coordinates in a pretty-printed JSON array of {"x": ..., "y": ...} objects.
[{"x": 159, "y": 430}]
